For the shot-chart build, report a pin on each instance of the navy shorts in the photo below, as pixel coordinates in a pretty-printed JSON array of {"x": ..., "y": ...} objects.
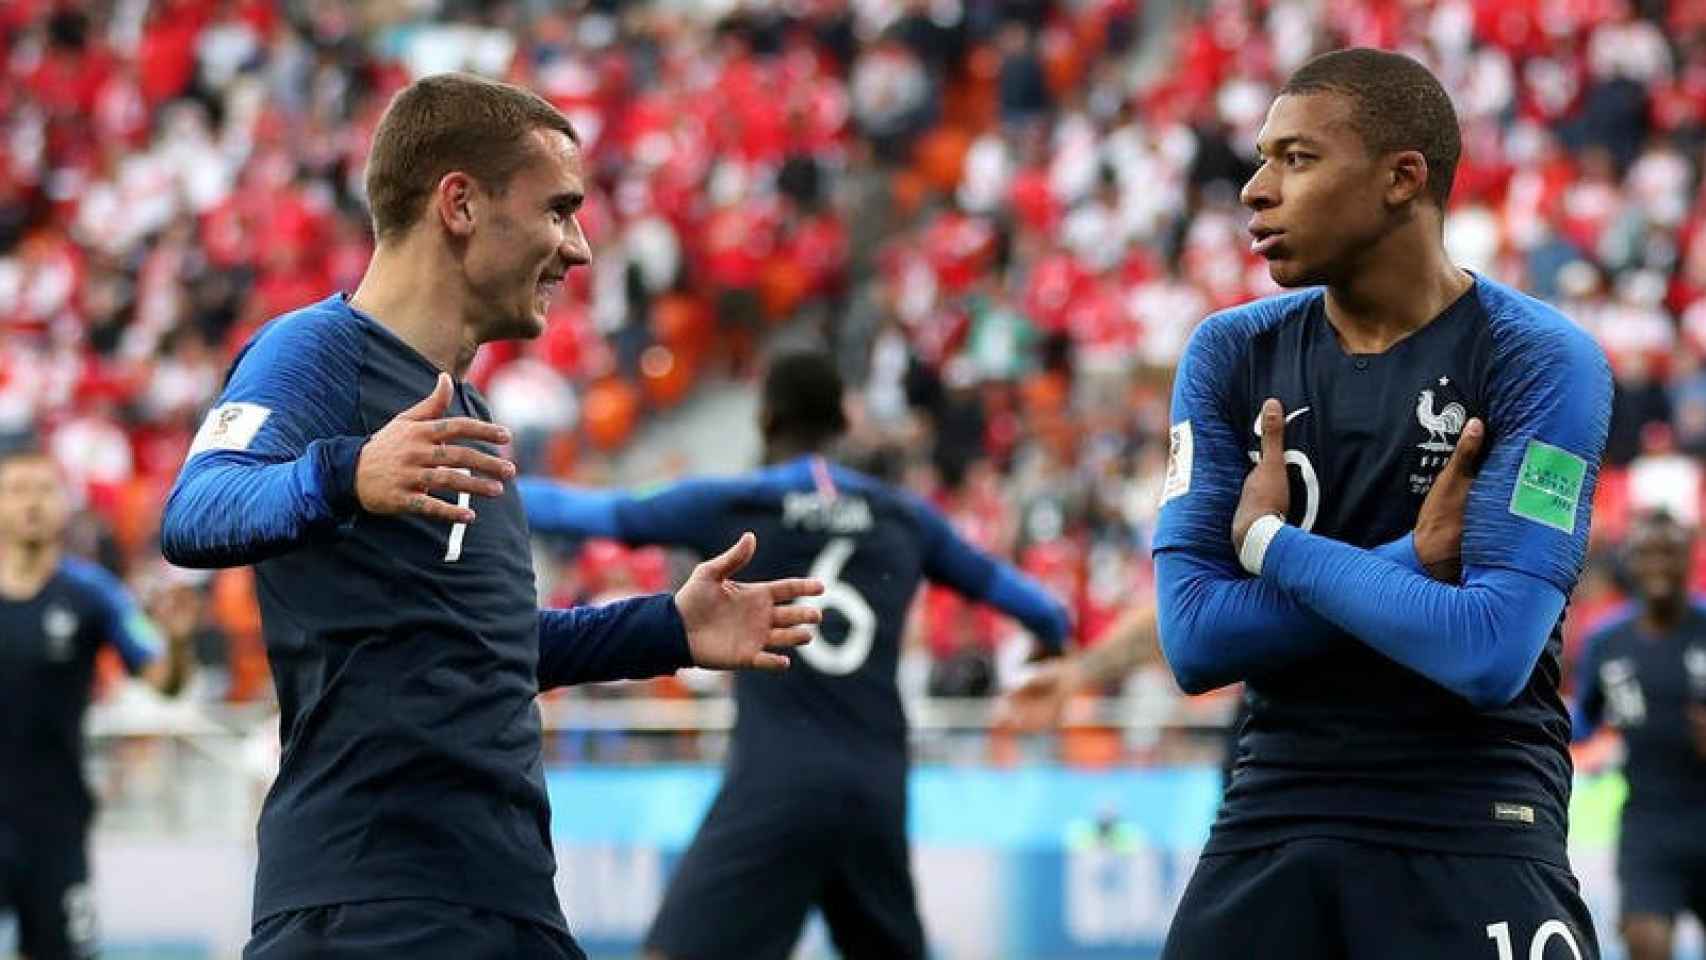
[
  {"x": 1326, "y": 899},
  {"x": 408, "y": 928},
  {"x": 763, "y": 859},
  {"x": 1659, "y": 871},
  {"x": 45, "y": 894}
]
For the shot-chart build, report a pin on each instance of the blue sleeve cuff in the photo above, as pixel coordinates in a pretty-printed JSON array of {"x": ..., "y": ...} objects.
[
  {"x": 335, "y": 461},
  {"x": 672, "y": 634},
  {"x": 654, "y": 637},
  {"x": 631, "y": 639}
]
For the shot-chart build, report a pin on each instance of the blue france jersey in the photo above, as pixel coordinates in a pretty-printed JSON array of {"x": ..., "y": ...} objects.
[
  {"x": 1643, "y": 685},
  {"x": 404, "y": 650},
  {"x": 836, "y": 714},
  {"x": 48, "y": 644},
  {"x": 1342, "y": 740}
]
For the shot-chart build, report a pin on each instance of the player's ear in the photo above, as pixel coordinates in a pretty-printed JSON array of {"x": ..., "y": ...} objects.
[
  {"x": 1407, "y": 177},
  {"x": 454, "y": 201}
]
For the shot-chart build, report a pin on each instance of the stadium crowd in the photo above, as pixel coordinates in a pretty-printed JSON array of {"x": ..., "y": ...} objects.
[{"x": 1006, "y": 217}]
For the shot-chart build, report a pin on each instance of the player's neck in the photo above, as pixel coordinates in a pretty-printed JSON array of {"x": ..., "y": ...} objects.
[
  {"x": 26, "y": 567},
  {"x": 1401, "y": 285},
  {"x": 1662, "y": 618},
  {"x": 405, "y": 291}
]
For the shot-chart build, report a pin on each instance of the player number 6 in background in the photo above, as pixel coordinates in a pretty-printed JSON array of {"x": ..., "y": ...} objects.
[
  {"x": 849, "y": 655},
  {"x": 1500, "y": 933}
]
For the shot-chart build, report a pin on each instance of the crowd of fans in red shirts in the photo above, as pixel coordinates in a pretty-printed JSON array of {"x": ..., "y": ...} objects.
[{"x": 1005, "y": 217}]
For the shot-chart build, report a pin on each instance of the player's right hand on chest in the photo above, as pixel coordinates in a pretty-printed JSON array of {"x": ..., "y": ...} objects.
[{"x": 417, "y": 452}]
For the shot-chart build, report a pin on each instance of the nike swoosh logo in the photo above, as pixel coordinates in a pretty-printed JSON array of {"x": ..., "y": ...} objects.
[{"x": 1300, "y": 411}]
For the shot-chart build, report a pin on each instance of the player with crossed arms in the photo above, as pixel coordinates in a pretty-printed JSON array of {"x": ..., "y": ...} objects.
[{"x": 1403, "y": 779}]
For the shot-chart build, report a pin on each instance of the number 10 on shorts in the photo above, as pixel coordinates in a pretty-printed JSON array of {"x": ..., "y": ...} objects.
[{"x": 1500, "y": 933}]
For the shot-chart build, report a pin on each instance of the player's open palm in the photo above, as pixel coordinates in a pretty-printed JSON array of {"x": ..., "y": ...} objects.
[
  {"x": 1266, "y": 489},
  {"x": 416, "y": 452},
  {"x": 1439, "y": 527},
  {"x": 732, "y": 625}
]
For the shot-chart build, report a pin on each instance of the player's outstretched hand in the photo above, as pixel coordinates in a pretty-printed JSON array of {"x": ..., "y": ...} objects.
[
  {"x": 730, "y": 625},
  {"x": 1266, "y": 489},
  {"x": 416, "y": 452},
  {"x": 1037, "y": 704},
  {"x": 1439, "y": 527}
]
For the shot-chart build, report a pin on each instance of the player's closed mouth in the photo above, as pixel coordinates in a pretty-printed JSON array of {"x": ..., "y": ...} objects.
[{"x": 1263, "y": 239}]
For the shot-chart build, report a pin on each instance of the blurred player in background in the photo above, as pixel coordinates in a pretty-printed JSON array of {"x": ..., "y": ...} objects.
[
  {"x": 56, "y": 612},
  {"x": 813, "y": 805},
  {"x": 409, "y": 817},
  {"x": 1403, "y": 778},
  {"x": 1644, "y": 673}
]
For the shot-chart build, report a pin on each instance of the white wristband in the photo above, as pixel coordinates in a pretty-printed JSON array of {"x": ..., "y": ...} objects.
[{"x": 1256, "y": 541}]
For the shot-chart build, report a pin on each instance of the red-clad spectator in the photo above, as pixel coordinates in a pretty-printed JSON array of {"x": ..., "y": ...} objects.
[{"x": 166, "y": 57}]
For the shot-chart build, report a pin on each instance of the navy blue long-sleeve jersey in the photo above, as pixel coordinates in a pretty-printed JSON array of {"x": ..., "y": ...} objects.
[
  {"x": 837, "y": 713},
  {"x": 1643, "y": 685},
  {"x": 407, "y": 652},
  {"x": 48, "y": 644},
  {"x": 1385, "y": 706}
]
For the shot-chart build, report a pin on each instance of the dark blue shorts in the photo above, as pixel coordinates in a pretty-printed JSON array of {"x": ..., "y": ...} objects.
[
  {"x": 408, "y": 929},
  {"x": 763, "y": 859},
  {"x": 44, "y": 890},
  {"x": 1661, "y": 870},
  {"x": 1324, "y": 899}
]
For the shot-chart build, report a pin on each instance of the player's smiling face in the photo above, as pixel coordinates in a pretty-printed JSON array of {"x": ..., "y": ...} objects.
[
  {"x": 533, "y": 238},
  {"x": 1319, "y": 196}
]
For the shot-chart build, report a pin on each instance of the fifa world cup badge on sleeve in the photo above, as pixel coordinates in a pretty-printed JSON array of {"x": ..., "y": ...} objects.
[
  {"x": 230, "y": 426},
  {"x": 1549, "y": 486},
  {"x": 1179, "y": 456}
]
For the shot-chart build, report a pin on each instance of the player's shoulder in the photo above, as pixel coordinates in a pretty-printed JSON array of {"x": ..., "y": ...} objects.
[
  {"x": 884, "y": 498},
  {"x": 1605, "y": 628},
  {"x": 1697, "y": 607},
  {"x": 1259, "y": 316},
  {"x": 91, "y": 581},
  {"x": 1224, "y": 334},
  {"x": 1520, "y": 323},
  {"x": 321, "y": 329}
]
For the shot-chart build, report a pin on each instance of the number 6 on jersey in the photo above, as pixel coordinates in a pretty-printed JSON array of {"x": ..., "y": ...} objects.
[{"x": 848, "y": 655}]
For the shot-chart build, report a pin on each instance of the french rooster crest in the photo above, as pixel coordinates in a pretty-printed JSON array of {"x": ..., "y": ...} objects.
[{"x": 1441, "y": 424}]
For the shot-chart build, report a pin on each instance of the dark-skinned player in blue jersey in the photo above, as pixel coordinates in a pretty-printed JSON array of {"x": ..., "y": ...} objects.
[
  {"x": 812, "y": 809},
  {"x": 1644, "y": 673},
  {"x": 1403, "y": 776},
  {"x": 409, "y": 817},
  {"x": 56, "y": 613}
]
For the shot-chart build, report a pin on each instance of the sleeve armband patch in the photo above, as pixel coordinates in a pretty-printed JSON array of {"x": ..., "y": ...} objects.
[
  {"x": 230, "y": 426},
  {"x": 1549, "y": 486}
]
